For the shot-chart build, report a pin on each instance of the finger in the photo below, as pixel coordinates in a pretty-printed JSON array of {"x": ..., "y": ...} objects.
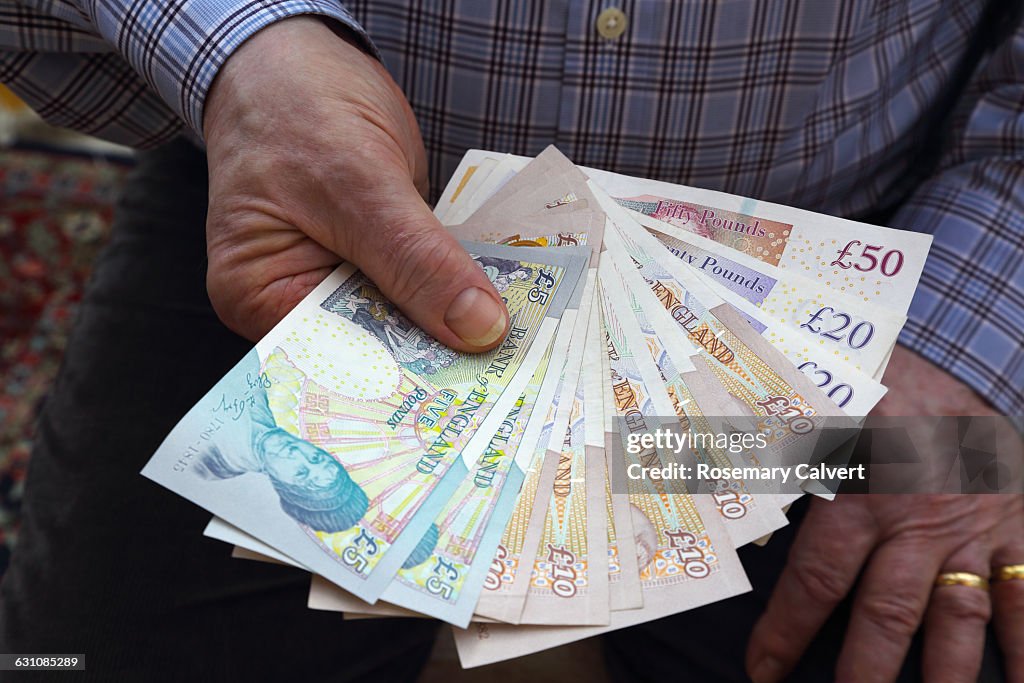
[
  {"x": 1008, "y": 608},
  {"x": 888, "y": 609},
  {"x": 826, "y": 556},
  {"x": 419, "y": 266},
  {"x": 1008, "y": 596},
  {"x": 1008, "y": 617},
  {"x": 956, "y": 619}
]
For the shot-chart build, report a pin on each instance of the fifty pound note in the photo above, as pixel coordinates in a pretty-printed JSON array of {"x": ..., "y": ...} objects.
[
  {"x": 329, "y": 437},
  {"x": 878, "y": 264}
]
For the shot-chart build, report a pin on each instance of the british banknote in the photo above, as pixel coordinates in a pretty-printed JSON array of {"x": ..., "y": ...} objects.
[
  {"x": 878, "y": 264},
  {"x": 569, "y": 580},
  {"x": 849, "y": 388},
  {"x": 687, "y": 394},
  {"x": 331, "y": 457},
  {"x": 447, "y": 583},
  {"x": 508, "y": 584},
  {"x": 883, "y": 262},
  {"x": 837, "y": 336},
  {"x": 698, "y": 311},
  {"x": 505, "y": 592},
  {"x": 846, "y": 329},
  {"x": 624, "y": 591},
  {"x": 760, "y": 382},
  {"x": 684, "y": 554}
]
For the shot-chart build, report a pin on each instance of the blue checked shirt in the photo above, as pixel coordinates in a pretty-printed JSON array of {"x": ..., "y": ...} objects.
[{"x": 907, "y": 112}]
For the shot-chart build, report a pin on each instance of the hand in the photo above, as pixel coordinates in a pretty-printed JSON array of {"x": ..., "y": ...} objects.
[
  {"x": 897, "y": 545},
  {"x": 315, "y": 157}
]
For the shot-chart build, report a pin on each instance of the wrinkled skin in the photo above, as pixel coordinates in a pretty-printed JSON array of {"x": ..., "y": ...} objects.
[
  {"x": 901, "y": 543},
  {"x": 315, "y": 157}
]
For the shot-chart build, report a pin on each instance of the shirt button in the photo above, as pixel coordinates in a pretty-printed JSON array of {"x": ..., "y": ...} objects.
[{"x": 611, "y": 23}]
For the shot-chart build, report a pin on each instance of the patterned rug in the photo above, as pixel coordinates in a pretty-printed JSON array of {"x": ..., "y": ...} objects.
[{"x": 55, "y": 215}]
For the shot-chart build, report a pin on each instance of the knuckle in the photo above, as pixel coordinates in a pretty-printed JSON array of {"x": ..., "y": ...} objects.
[
  {"x": 893, "y": 614},
  {"x": 818, "y": 580},
  {"x": 420, "y": 262},
  {"x": 942, "y": 517}
]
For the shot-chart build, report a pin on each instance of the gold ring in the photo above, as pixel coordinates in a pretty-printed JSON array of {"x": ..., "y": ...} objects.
[
  {"x": 962, "y": 579},
  {"x": 1009, "y": 572}
]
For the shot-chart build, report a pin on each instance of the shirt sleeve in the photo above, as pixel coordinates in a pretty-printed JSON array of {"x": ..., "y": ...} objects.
[
  {"x": 148, "y": 64},
  {"x": 968, "y": 314}
]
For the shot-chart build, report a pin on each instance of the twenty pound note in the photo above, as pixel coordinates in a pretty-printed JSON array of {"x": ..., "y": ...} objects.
[{"x": 331, "y": 439}]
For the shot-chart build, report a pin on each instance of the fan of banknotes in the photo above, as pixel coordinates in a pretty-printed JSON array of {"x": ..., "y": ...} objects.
[{"x": 481, "y": 490}]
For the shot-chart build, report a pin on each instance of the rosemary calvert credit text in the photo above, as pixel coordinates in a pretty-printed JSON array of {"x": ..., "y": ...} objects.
[{"x": 734, "y": 442}]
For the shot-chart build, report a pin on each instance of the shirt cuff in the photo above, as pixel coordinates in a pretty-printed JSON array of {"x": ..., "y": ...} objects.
[
  {"x": 968, "y": 312},
  {"x": 179, "y": 46}
]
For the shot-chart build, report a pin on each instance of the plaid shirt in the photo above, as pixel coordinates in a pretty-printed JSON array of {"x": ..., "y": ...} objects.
[{"x": 909, "y": 112}]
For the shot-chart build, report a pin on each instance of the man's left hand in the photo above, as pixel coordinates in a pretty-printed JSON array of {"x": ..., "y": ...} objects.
[{"x": 897, "y": 545}]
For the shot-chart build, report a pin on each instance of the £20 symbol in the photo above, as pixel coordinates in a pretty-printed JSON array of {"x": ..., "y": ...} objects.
[
  {"x": 540, "y": 293},
  {"x": 889, "y": 264},
  {"x": 790, "y": 415},
  {"x": 858, "y": 337},
  {"x": 563, "y": 574},
  {"x": 826, "y": 383}
]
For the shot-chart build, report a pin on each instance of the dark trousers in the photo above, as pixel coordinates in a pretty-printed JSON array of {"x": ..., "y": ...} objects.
[{"x": 113, "y": 566}]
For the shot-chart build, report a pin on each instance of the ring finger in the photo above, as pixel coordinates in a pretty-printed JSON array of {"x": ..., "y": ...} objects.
[
  {"x": 954, "y": 625},
  {"x": 1008, "y": 594}
]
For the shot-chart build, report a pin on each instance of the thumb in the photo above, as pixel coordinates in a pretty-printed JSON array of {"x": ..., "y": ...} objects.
[{"x": 420, "y": 267}]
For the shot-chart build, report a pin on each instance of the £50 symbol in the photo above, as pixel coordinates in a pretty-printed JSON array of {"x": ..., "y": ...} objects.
[
  {"x": 542, "y": 290},
  {"x": 563, "y": 574},
  {"x": 684, "y": 545},
  {"x": 858, "y": 336},
  {"x": 889, "y": 264}
]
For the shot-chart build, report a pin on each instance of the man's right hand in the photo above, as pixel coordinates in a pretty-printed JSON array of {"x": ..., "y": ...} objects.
[{"x": 315, "y": 157}]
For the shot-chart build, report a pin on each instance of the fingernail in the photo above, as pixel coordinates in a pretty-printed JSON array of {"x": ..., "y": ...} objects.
[
  {"x": 767, "y": 670},
  {"x": 476, "y": 317}
]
